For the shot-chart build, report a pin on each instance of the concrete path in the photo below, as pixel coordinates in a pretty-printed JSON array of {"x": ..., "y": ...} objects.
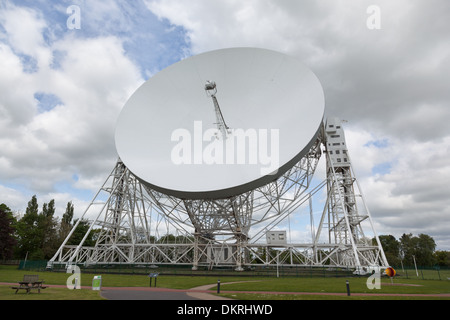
[
  {"x": 134, "y": 293},
  {"x": 144, "y": 294}
]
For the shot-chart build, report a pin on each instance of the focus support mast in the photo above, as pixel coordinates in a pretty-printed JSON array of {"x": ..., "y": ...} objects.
[{"x": 211, "y": 90}]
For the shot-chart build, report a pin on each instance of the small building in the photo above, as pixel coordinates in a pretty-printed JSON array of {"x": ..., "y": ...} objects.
[{"x": 276, "y": 237}]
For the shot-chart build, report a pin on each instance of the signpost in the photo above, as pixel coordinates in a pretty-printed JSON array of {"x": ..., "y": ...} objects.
[
  {"x": 97, "y": 283},
  {"x": 151, "y": 276}
]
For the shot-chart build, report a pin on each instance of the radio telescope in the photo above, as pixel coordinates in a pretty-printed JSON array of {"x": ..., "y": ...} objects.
[{"x": 216, "y": 152}]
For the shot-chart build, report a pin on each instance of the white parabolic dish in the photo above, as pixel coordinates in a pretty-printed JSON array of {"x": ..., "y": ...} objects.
[{"x": 273, "y": 105}]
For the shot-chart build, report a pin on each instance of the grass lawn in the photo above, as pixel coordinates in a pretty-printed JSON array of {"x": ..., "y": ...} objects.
[
  {"x": 10, "y": 274},
  {"x": 336, "y": 285},
  {"x": 290, "y": 297},
  {"x": 6, "y": 293}
]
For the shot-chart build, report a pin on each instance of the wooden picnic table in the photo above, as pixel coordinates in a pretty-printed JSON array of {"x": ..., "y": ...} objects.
[{"x": 29, "y": 283}]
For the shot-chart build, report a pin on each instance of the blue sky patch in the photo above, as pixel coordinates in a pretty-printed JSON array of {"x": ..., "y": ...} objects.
[
  {"x": 46, "y": 101},
  {"x": 67, "y": 187},
  {"x": 150, "y": 42},
  {"x": 382, "y": 168},
  {"x": 58, "y": 57},
  {"x": 383, "y": 143},
  {"x": 29, "y": 64}
]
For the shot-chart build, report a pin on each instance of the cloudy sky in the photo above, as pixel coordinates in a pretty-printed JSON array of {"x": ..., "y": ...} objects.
[{"x": 384, "y": 66}]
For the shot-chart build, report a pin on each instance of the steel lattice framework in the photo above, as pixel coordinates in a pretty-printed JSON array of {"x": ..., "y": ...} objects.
[{"x": 139, "y": 225}]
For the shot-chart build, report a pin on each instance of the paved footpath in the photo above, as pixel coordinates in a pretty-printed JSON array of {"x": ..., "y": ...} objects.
[{"x": 142, "y": 293}]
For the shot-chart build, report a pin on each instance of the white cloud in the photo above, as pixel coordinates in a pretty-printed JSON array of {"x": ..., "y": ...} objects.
[
  {"x": 17, "y": 82},
  {"x": 411, "y": 195},
  {"x": 213, "y": 25},
  {"x": 12, "y": 198},
  {"x": 93, "y": 81},
  {"x": 24, "y": 28}
]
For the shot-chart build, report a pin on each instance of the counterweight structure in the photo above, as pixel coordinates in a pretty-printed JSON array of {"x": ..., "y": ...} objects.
[
  {"x": 345, "y": 217},
  {"x": 139, "y": 225}
]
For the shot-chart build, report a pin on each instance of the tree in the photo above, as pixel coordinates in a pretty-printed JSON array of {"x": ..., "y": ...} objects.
[
  {"x": 7, "y": 239},
  {"x": 391, "y": 248},
  {"x": 442, "y": 258},
  {"x": 425, "y": 250},
  {"x": 66, "y": 222},
  {"x": 68, "y": 215},
  {"x": 421, "y": 249},
  {"x": 80, "y": 232},
  {"x": 47, "y": 225},
  {"x": 37, "y": 234},
  {"x": 28, "y": 232}
]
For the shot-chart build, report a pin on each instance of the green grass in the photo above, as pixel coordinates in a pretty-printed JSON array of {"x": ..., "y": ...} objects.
[
  {"x": 303, "y": 284},
  {"x": 12, "y": 274},
  {"x": 336, "y": 285},
  {"x": 288, "y": 297},
  {"x": 6, "y": 293}
]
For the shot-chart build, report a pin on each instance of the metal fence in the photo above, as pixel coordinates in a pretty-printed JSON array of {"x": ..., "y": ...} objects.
[
  {"x": 423, "y": 273},
  {"x": 9, "y": 262},
  {"x": 39, "y": 265}
]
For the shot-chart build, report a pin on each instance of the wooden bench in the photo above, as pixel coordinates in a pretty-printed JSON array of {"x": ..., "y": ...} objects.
[{"x": 29, "y": 283}]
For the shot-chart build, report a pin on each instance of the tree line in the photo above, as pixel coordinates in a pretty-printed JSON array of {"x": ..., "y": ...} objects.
[
  {"x": 410, "y": 250},
  {"x": 39, "y": 233}
]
